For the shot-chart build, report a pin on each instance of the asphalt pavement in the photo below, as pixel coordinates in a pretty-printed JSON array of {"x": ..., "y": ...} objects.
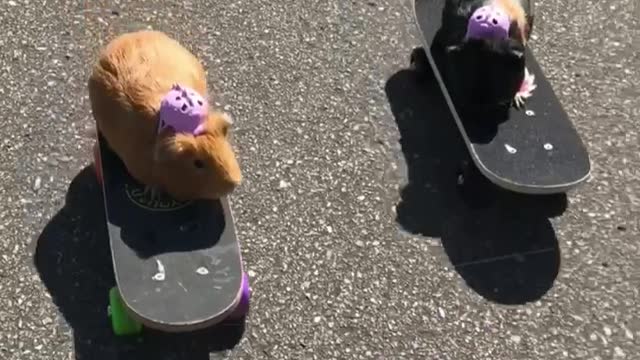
[{"x": 355, "y": 240}]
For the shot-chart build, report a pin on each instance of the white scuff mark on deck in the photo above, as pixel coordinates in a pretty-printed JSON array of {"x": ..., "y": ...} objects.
[
  {"x": 548, "y": 146},
  {"x": 224, "y": 273},
  {"x": 202, "y": 270},
  {"x": 510, "y": 149},
  {"x": 530, "y": 113},
  {"x": 160, "y": 275},
  {"x": 182, "y": 286}
]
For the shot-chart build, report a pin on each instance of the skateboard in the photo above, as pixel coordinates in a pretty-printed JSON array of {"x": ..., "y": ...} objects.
[
  {"x": 532, "y": 150},
  {"x": 177, "y": 265}
]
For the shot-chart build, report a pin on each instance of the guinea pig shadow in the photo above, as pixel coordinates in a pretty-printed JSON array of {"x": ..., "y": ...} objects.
[
  {"x": 508, "y": 252},
  {"x": 73, "y": 260},
  {"x": 181, "y": 230},
  {"x": 481, "y": 124}
]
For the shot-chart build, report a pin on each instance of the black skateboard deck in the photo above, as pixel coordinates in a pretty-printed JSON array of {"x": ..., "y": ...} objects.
[
  {"x": 536, "y": 150},
  {"x": 177, "y": 265}
]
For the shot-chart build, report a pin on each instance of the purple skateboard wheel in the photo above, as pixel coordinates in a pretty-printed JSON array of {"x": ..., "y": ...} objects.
[
  {"x": 183, "y": 110},
  {"x": 488, "y": 22},
  {"x": 243, "y": 305}
]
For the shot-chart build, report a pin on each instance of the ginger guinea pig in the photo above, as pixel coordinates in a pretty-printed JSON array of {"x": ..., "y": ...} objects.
[{"x": 148, "y": 97}]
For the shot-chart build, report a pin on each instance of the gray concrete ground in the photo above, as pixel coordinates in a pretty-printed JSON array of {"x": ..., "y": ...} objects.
[{"x": 356, "y": 243}]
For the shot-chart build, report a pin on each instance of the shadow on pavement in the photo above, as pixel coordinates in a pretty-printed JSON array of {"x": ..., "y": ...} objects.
[
  {"x": 74, "y": 262},
  {"x": 507, "y": 252}
]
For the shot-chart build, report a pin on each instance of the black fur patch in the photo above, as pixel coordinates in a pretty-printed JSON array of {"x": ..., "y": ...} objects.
[{"x": 480, "y": 73}]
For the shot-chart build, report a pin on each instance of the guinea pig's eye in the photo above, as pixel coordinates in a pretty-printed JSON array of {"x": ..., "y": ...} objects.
[{"x": 199, "y": 164}]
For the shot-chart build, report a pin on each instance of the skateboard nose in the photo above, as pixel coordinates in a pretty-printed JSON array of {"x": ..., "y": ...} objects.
[{"x": 488, "y": 21}]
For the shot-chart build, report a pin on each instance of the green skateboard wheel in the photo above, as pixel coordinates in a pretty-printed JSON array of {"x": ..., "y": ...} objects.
[{"x": 121, "y": 322}]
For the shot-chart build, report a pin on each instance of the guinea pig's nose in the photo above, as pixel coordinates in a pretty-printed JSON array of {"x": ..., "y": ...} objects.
[{"x": 234, "y": 175}]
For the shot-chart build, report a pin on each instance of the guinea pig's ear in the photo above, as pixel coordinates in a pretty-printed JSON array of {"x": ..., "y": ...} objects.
[
  {"x": 168, "y": 146},
  {"x": 514, "y": 30}
]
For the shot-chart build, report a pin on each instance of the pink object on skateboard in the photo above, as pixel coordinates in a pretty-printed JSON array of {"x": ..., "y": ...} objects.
[
  {"x": 183, "y": 110},
  {"x": 487, "y": 22}
]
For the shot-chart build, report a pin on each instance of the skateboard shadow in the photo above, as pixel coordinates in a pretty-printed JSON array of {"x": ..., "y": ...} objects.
[
  {"x": 507, "y": 253},
  {"x": 73, "y": 260}
]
